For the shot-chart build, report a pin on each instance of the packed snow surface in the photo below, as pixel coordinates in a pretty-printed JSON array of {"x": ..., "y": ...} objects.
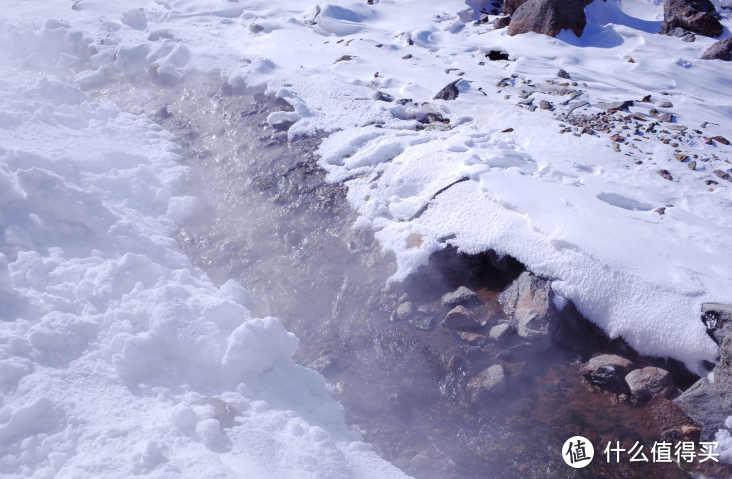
[{"x": 112, "y": 332}]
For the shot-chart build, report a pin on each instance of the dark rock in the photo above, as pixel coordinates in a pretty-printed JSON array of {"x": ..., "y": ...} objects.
[
  {"x": 646, "y": 99},
  {"x": 603, "y": 369},
  {"x": 721, "y": 50},
  {"x": 702, "y": 403},
  {"x": 379, "y": 45},
  {"x": 587, "y": 130},
  {"x": 495, "y": 55},
  {"x": 660, "y": 211},
  {"x": 501, "y": 332},
  {"x": 698, "y": 16},
  {"x": 502, "y": 22},
  {"x": 459, "y": 296},
  {"x": 717, "y": 317},
  {"x": 450, "y": 92},
  {"x": 648, "y": 383},
  {"x": 721, "y": 140},
  {"x": 510, "y": 6},
  {"x": 404, "y": 101},
  {"x": 545, "y": 105},
  {"x": 723, "y": 374},
  {"x": 563, "y": 74},
  {"x": 665, "y": 175},
  {"x": 549, "y": 17},
  {"x": 487, "y": 383},
  {"x": 679, "y": 32},
  {"x": 381, "y": 96},
  {"x": 460, "y": 318},
  {"x": 407, "y": 56},
  {"x": 723, "y": 175},
  {"x": 710, "y": 182},
  {"x": 528, "y": 303}
]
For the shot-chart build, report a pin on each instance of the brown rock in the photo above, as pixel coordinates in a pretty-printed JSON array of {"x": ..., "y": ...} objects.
[
  {"x": 407, "y": 56},
  {"x": 698, "y": 16},
  {"x": 549, "y": 17},
  {"x": 510, "y": 6},
  {"x": 460, "y": 318},
  {"x": 603, "y": 369},
  {"x": 722, "y": 174},
  {"x": 665, "y": 175},
  {"x": 681, "y": 157},
  {"x": 721, "y": 50},
  {"x": 648, "y": 383},
  {"x": 617, "y": 138},
  {"x": 501, "y": 23},
  {"x": 721, "y": 140}
]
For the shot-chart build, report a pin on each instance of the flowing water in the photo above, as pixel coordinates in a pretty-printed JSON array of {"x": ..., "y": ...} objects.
[{"x": 274, "y": 224}]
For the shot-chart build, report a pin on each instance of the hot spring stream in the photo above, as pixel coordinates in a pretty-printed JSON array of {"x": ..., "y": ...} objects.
[{"x": 272, "y": 223}]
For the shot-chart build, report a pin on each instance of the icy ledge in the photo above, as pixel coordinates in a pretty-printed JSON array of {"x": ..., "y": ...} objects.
[{"x": 117, "y": 356}]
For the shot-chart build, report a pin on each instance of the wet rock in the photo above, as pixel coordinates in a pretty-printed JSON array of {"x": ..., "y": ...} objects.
[
  {"x": 545, "y": 105},
  {"x": 563, "y": 74},
  {"x": 613, "y": 106},
  {"x": 723, "y": 374},
  {"x": 501, "y": 23},
  {"x": 717, "y": 317},
  {"x": 476, "y": 339},
  {"x": 450, "y": 92},
  {"x": 698, "y": 16},
  {"x": 602, "y": 369},
  {"x": 487, "y": 384},
  {"x": 460, "y": 296},
  {"x": 510, "y": 6},
  {"x": 665, "y": 175},
  {"x": 528, "y": 304},
  {"x": 721, "y": 50},
  {"x": 648, "y": 383},
  {"x": 460, "y": 318},
  {"x": 722, "y": 174},
  {"x": 702, "y": 403},
  {"x": 501, "y": 332},
  {"x": 549, "y": 17},
  {"x": 404, "y": 311}
]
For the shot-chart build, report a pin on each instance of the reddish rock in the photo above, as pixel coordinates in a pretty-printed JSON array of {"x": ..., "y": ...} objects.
[{"x": 698, "y": 16}]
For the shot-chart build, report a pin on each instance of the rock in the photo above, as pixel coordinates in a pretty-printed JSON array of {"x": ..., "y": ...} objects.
[
  {"x": 660, "y": 211},
  {"x": 545, "y": 105},
  {"x": 710, "y": 182},
  {"x": 648, "y": 383},
  {"x": 549, "y": 17},
  {"x": 500, "y": 332},
  {"x": 587, "y": 130},
  {"x": 510, "y": 6},
  {"x": 681, "y": 157},
  {"x": 698, "y": 16},
  {"x": 721, "y": 140},
  {"x": 666, "y": 104},
  {"x": 381, "y": 96},
  {"x": 450, "y": 92},
  {"x": 646, "y": 99},
  {"x": 459, "y": 296},
  {"x": 614, "y": 106},
  {"x": 404, "y": 101},
  {"x": 404, "y": 311},
  {"x": 617, "y": 138},
  {"x": 666, "y": 117},
  {"x": 602, "y": 369},
  {"x": 563, "y": 74},
  {"x": 407, "y": 56},
  {"x": 616, "y": 147},
  {"x": 507, "y": 130},
  {"x": 478, "y": 339},
  {"x": 665, "y": 175},
  {"x": 502, "y": 22},
  {"x": 487, "y": 383},
  {"x": 689, "y": 38},
  {"x": 630, "y": 60},
  {"x": 692, "y": 165},
  {"x": 254, "y": 28},
  {"x": 702, "y": 403},
  {"x": 344, "y": 58},
  {"x": 723, "y": 175},
  {"x": 460, "y": 318},
  {"x": 528, "y": 303},
  {"x": 717, "y": 317},
  {"x": 721, "y": 50},
  {"x": 723, "y": 374}
]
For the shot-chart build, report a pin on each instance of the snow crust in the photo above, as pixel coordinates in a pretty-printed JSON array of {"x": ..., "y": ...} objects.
[{"x": 571, "y": 209}]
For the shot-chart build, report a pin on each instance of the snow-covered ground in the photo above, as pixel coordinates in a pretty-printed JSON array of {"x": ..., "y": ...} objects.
[{"x": 113, "y": 343}]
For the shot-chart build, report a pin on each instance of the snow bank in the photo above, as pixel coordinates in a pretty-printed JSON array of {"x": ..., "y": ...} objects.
[{"x": 117, "y": 356}]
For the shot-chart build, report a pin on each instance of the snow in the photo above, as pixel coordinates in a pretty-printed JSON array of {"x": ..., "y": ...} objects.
[{"x": 86, "y": 229}]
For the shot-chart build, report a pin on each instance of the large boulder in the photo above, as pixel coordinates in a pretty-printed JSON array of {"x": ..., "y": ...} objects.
[
  {"x": 701, "y": 402},
  {"x": 698, "y": 16},
  {"x": 528, "y": 303},
  {"x": 510, "y": 6},
  {"x": 648, "y": 383},
  {"x": 723, "y": 374},
  {"x": 721, "y": 50},
  {"x": 549, "y": 17},
  {"x": 487, "y": 384},
  {"x": 605, "y": 369}
]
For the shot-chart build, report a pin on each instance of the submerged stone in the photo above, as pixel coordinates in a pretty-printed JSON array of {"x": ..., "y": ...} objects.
[{"x": 650, "y": 382}]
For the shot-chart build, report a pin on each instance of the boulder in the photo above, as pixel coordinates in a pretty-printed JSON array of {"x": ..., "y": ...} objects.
[
  {"x": 563, "y": 74},
  {"x": 602, "y": 369},
  {"x": 698, "y": 16},
  {"x": 648, "y": 383},
  {"x": 487, "y": 383},
  {"x": 510, "y": 6},
  {"x": 702, "y": 403},
  {"x": 549, "y": 17},
  {"x": 500, "y": 332},
  {"x": 723, "y": 374},
  {"x": 460, "y": 296},
  {"x": 502, "y": 22},
  {"x": 721, "y": 50},
  {"x": 528, "y": 303},
  {"x": 460, "y": 318},
  {"x": 717, "y": 317},
  {"x": 450, "y": 92}
]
